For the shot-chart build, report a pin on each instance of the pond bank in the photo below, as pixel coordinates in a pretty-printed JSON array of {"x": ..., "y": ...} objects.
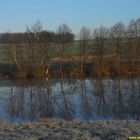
[
  {"x": 68, "y": 68},
  {"x": 45, "y": 129}
]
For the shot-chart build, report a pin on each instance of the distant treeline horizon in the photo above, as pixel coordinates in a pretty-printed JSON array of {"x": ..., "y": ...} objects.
[{"x": 46, "y": 36}]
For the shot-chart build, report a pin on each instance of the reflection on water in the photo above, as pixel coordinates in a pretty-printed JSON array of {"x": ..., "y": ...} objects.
[{"x": 86, "y": 99}]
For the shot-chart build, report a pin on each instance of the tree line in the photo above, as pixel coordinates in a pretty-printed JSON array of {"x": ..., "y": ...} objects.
[
  {"x": 43, "y": 35},
  {"x": 38, "y": 51},
  {"x": 119, "y": 30}
]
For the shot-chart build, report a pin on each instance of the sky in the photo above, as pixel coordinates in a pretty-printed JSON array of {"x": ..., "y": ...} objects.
[{"x": 15, "y": 15}]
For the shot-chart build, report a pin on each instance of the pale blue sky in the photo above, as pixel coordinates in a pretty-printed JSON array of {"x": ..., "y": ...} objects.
[{"x": 16, "y": 14}]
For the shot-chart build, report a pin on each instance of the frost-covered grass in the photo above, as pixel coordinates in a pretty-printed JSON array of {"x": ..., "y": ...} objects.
[{"x": 70, "y": 130}]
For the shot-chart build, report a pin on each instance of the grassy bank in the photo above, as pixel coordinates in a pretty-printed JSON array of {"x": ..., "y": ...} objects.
[{"x": 70, "y": 69}]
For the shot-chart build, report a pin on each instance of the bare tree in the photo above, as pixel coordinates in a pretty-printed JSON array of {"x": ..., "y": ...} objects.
[
  {"x": 63, "y": 32},
  {"x": 117, "y": 34},
  {"x": 84, "y": 39},
  {"x": 16, "y": 54},
  {"x": 100, "y": 36},
  {"x": 37, "y": 53},
  {"x": 133, "y": 33},
  {"x": 131, "y": 38}
]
